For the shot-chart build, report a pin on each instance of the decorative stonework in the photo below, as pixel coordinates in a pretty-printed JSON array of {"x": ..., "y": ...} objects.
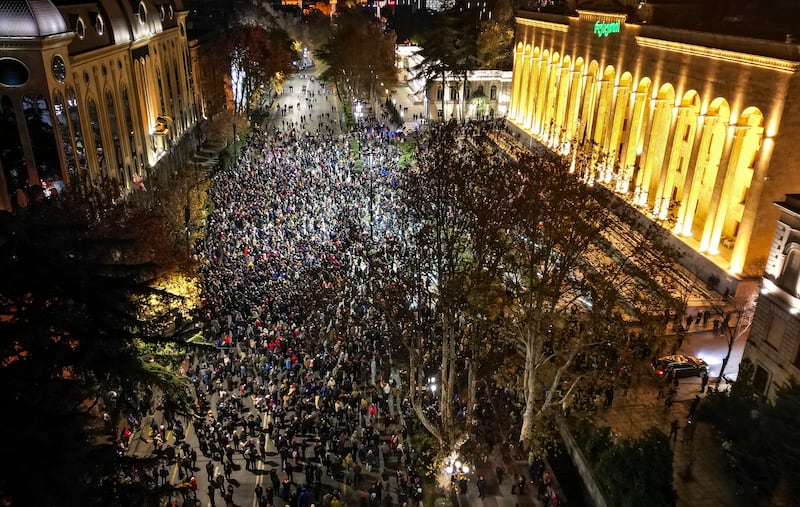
[
  {"x": 765, "y": 62},
  {"x": 603, "y": 17},
  {"x": 547, "y": 25}
]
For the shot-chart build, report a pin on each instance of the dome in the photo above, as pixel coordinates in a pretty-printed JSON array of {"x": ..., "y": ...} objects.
[{"x": 30, "y": 18}]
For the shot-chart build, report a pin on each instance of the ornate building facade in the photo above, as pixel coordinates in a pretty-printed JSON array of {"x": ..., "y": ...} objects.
[
  {"x": 90, "y": 93},
  {"x": 485, "y": 94},
  {"x": 696, "y": 129},
  {"x": 774, "y": 342}
]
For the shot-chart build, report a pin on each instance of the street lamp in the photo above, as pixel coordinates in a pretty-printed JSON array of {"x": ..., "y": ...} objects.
[{"x": 453, "y": 464}]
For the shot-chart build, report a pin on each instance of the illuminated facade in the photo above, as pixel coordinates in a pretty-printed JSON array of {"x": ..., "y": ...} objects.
[
  {"x": 91, "y": 93},
  {"x": 774, "y": 342},
  {"x": 486, "y": 94},
  {"x": 693, "y": 128}
]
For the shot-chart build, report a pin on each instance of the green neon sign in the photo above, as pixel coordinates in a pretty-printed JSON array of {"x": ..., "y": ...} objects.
[{"x": 605, "y": 29}]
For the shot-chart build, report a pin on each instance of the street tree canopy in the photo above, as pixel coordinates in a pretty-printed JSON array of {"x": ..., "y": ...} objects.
[
  {"x": 82, "y": 333},
  {"x": 258, "y": 59},
  {"x": 359, "y": 56}
]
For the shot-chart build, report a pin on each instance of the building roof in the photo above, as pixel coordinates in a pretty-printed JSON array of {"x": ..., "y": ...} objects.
[{"x": 30, "y": 18}]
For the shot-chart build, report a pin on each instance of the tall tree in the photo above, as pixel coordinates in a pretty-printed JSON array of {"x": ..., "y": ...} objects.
[
  {"x": 81, "y": 331},
  {"x": 495, "y": 41},
  {"x": 358, "y": 55},
  {"x": 449, "y": 51},
  {"x": 259, "y": 56},
  {"x": 574, "y": 273}
]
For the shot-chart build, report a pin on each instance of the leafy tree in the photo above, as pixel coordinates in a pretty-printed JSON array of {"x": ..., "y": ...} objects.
[
  {"x": 258, "y": 56},
  {"x": 77, "y": 324},
  {"x": 638, "y": 471},
  {"x": 449, "y": 49},
  {"x": 495, "y": 42},
  {"x": 358, "y": 55},
  {"x": 571, "y": 272},
  {"x": 763, "y": 435}
]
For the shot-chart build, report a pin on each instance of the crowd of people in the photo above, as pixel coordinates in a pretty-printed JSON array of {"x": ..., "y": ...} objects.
[{"x": 302, "y": 364}]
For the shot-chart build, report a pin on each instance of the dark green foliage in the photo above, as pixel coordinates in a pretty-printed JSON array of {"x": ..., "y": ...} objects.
[
  {"x": 766, "y": 445},
  {"x": 592, "y": 441},
  {"x": 359, "y": 55},
  {"x": 638, "y": 471},
  {"x": 72, "y": 323}
]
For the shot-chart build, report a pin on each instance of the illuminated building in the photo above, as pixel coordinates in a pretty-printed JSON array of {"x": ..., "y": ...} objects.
[
  {"x": 774, "y": 342},
  {"x": 91, "y": 93},
  {"x": 694, "y": 128},
  {"x": 486, "y": 94}
]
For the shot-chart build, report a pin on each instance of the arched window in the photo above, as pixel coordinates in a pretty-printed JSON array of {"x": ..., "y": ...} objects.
[
  {"x": 790, "y": 275},
  {"x": 94, "y": 124},
  {"x": 160, "y": 92},
  {"x": 80, "y": 145},
  {"x": 80, "y": 29},
  {"x": 126, "y": 111},
  {"x": 142, "y": 13},
  {"x": 62, "y": 123},
  {"x": 111, "y": 108},
  {"x": 42, "y": 137},
  {"x": 99, "y": 24},
  {"x": 11, "y": 154},
  {"x": 439, "y": 92},
  {"x": 493, "y": 93},
  {"x": 453, "y": 93}
]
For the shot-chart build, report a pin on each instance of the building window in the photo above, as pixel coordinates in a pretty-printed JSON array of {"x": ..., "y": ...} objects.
[
  {"x": 80, "y": 29},
  {"x": 440, "y": 113},
  {"x": 171, "y": 12},
  {"x": 13, "y": 72},
  {"x": 99, "y": 25},
  {"x": 775, "y": 333},
  {"x": 493, "y": 93},
  {"x": 439, "y": 93},
  {"x": 790, "y": 275},
  {"x": 466, "y": 93},
  {"x": 453, "y": 93},
  {"x": 761, "y": 379},
  {"x": 142, "y": 13},
  {"x": 163, "y": 13}
]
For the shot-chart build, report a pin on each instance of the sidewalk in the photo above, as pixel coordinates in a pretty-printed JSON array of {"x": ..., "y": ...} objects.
[
  {"x": 699, "y": 476},
  {"x": 499, "y": 495}
]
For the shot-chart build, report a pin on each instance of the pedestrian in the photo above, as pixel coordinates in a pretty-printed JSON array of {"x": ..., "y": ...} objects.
[
  {"x": 703, "y": 381},
  {"x": 211, "y": 492},
  {"x": 716, "y": 326},
  {"x": 481, "y": 487},
  {"x": 673, "y": 430},
  {"x": 162, "y": 473},
  {"x": 259, "y": 491},
  {"x": 693, "y": 406},
  {"x": 689, "y": 321},
  {"x": 210, "y": 470},
  {"x": 609, "y": 392}
]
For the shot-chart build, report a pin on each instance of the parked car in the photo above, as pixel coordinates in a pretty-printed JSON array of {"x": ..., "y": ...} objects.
[{"x": 683, "y": 366}]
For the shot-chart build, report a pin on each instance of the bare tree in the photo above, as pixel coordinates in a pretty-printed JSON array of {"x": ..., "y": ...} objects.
[{"x": 736, "y": 319}]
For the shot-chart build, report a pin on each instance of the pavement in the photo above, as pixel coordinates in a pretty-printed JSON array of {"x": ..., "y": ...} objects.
[{"x": 699, "y": 474}]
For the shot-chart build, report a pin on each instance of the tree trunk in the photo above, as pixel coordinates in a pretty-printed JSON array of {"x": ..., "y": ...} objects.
[
  {"x": 529, "y": 415},
  {"x": 412, "y": 374},
  {"x": 472, "y": 388}
]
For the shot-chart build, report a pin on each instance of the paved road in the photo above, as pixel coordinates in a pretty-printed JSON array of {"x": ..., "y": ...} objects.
[{"x": 307, "y": 105}]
